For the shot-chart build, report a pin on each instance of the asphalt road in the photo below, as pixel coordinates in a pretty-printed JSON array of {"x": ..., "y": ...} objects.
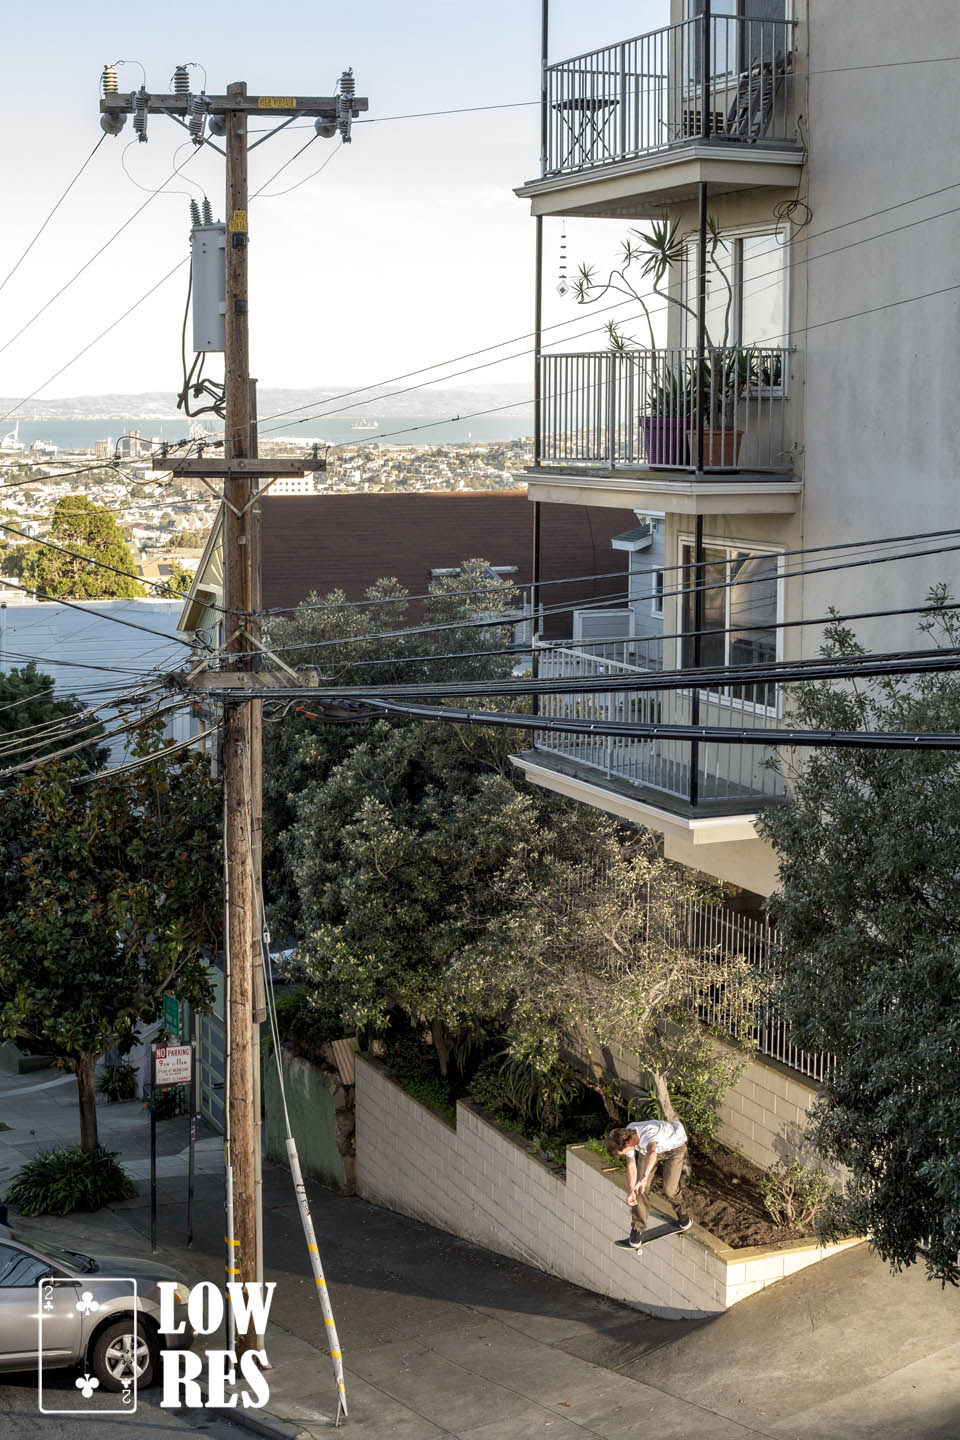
[{"x": 20, "y": 1418}]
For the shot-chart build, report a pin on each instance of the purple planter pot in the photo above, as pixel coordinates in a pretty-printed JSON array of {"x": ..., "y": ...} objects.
[{"x": 664, "y": 440}]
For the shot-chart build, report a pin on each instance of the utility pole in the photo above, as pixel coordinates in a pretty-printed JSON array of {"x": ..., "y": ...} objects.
[
  {"x": 238, "y": 589},
  {"x": 204, "y": 117}
]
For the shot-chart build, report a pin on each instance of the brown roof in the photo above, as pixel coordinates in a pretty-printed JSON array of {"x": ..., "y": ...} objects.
[{"x": 348, "y": 542}]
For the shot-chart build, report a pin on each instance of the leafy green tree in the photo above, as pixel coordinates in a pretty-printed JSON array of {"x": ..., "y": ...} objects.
[
  {"x": 591, "y": 945},
  {"x": 353, "y": 644},
  {"x": 869, "y": 912},
  {"x": 109, "y": 892},
  {"x": 91, "y": 530},
  {"x": 36, "y": 724}
]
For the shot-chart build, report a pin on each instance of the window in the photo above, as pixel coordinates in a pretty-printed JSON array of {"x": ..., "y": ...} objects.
[
  {"x": 656, "y": 599},
  {"x": 19, "y": 1268},
  {"x": 740, "y": 614},
  {"x": 746, "y": 292}
]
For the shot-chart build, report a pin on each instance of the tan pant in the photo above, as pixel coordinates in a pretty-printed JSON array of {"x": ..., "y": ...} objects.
[{"x": 672, "y": 1171}]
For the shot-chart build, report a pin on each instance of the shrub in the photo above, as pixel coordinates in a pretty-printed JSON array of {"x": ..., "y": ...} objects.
[
  {"x": 510, "y": 1085},
  {"x": 57, "y": 1182},
  {"x": 304, "y": 1025},
  {"x": 118, "y": 1082},
  {"x": 598, "y": 1147},
  {"x": 696, "y": 1095},
  {"x": 433, "y": 1092},
  {"x": 794, "y": 1194}
]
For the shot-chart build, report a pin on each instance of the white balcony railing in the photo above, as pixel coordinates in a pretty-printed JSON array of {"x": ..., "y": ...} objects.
[
  {"x": 729, "y": 82},
  {"x": 638, "y": 408},
  {"x": 724, "y": 772}
]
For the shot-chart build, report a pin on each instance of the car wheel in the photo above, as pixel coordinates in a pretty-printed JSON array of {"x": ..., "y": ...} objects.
[{"x": 115, "y": 1356}]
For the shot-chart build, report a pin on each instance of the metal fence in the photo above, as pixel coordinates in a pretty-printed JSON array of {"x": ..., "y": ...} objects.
[
  {"x": 639, "y": 408},
  {"x": 726, "y": 772},
  {"x": 713, "y": 930},
  {"x": 649, "y": 93}
]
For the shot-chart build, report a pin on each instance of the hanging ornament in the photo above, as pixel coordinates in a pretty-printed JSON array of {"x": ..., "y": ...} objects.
[{"x": 562, "y": 283}]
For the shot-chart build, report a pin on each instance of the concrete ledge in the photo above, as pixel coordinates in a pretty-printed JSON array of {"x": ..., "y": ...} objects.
[{"x": 482, "y": 1184}]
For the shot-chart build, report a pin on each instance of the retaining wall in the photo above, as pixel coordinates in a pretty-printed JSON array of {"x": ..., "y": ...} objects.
[{"x": 477, "y": 1182}]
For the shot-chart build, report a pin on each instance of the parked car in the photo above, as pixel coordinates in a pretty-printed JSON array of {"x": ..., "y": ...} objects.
[{"x": 88, "y": 1325}]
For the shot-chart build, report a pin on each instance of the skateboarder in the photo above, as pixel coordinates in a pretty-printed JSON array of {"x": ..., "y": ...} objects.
[{"x": 643, "y": 1143}]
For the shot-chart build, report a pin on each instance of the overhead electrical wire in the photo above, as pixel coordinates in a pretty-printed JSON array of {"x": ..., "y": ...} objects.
[
  {"x": 518, "y": 617},
  {"x": 85, "y": 610},
  {"x": 112, "y": 326},
  {"x": 10, "y": 273},
  {"x": 510, "y": 583},
  {"x": 163, "y": 585},
  {"x": 659, "y": 309},
  {"x": 139, "y": 764},
  {"x": 96, "y": 254}
]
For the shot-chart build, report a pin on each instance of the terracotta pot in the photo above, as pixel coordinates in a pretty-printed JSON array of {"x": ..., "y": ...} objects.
[{"x": 721, "y": 448}]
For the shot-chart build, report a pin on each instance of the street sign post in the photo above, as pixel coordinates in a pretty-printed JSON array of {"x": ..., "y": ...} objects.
[
  {"x": 171, "y": 1016},
  {"x": 170, "y": 1065}
]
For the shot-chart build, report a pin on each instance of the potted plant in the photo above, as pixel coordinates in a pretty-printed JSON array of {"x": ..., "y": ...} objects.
[{"x": 668, "y": 403}]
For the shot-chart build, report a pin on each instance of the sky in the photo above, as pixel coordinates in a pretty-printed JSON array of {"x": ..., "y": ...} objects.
[{"x": 410, "y": 248}]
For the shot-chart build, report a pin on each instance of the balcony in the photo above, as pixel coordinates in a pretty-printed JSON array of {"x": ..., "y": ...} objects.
[
  {"x": 639, "y": 124},
  {"x": 615, "y": 424},
  {"x": 732, "y": 779}
]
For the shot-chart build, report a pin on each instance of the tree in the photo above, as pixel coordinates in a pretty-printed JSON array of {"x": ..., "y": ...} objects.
[
  {"x": 400, "y": 855},
  {"x": 79, "y": 525},
  {"x": 37, "y": 724},
  {"x": 353, "y": 644},
  {"x": 109, "y": 892},
  {"x": 599, "y": 958},
  {"x": 869, "y": 914}
]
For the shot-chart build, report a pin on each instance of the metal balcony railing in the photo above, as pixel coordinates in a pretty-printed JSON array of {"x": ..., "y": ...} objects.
[
  {"x": 729, "y": 81},
  {"x": 637, "y": 408},
  {"x": 724, "y": 772}
]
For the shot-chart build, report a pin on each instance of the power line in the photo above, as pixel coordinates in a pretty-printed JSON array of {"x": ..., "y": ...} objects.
[
  {"x": 112, "y": 326},
  {"x": 10, "y": 273},
  {"x": 518, "y": 618},
  {"x": 625, "y": 729},
  {"x": 102, "y": 564},
  {"x": 87, "y": 263},
  {"x": 64, "y": 475},
  {"x": 82, "y": 744},
  {"x": 114, "y": 619},
  {"x": 619, "y": 574},
  {"x": 111, "y": 774},
  {"x": 656, "y": 310}
]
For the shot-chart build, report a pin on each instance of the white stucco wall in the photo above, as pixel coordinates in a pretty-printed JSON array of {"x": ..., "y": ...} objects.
[{"x": 478, "y": 1183}]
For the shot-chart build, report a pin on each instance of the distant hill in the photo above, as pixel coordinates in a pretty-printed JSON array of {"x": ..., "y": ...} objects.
[{"x": 432, "y": 403}]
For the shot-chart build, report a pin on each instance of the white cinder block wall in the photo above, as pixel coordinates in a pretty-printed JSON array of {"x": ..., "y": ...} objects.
[{"x": 477, "y": 1183}]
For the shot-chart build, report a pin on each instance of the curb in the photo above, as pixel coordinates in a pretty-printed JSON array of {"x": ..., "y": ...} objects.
[{"x": 262, "y": 1422}]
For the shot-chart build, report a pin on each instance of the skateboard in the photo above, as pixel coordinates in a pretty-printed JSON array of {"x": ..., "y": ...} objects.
[{"x": 670, "y": 1227}]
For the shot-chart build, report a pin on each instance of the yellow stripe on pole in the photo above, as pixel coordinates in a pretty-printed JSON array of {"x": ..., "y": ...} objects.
[
  {"x": 320, "y": 1282},
  {"x": 335, "y": 1355},
  {"x": 231, "y": 1272},
  {"x": 314, "y": 1248},
  {"x": 228, "y": 1241}
]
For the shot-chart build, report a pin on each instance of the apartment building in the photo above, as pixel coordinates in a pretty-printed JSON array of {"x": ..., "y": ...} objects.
[{"x": 798, "y": 155}]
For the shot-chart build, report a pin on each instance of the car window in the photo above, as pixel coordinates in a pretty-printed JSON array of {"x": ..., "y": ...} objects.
[{"x": 19, "y": 1268}]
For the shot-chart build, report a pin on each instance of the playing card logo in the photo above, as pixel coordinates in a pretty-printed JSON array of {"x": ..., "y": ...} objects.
[
  {"x": 86, "y": 1304},
  {"x": 86, "y": 1384}
]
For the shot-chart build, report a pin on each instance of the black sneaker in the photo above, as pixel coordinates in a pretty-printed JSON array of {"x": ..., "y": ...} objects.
[
  {"x": 636, "y": 1239},
  {"x": 684, "y": 1222}
]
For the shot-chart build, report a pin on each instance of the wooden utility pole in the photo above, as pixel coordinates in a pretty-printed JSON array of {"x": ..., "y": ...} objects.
[
  {"x": 243, "y": 653},
  {"x": 239, "y": 560}
]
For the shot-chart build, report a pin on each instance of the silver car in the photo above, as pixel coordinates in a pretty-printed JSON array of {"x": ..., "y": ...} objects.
[{"x": 99, "y": 1339}]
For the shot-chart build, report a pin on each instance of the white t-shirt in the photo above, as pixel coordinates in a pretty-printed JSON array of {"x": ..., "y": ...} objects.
[{"x": 665, "y": 1134}]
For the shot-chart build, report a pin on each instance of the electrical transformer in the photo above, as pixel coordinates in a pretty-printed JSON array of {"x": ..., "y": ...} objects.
[{"x": 208, "y": 268}]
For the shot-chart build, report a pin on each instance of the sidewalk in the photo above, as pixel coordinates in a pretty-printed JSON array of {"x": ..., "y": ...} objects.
[{"x": 442, "y": 1339}]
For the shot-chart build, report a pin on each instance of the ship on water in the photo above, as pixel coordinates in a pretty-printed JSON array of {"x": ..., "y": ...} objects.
[{"x": 365, "y": 425}]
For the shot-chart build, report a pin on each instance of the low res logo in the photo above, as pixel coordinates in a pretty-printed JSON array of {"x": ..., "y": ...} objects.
[
  {"x": 75, "y": 1329},
  {"x": 98, "y": 1325}
]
